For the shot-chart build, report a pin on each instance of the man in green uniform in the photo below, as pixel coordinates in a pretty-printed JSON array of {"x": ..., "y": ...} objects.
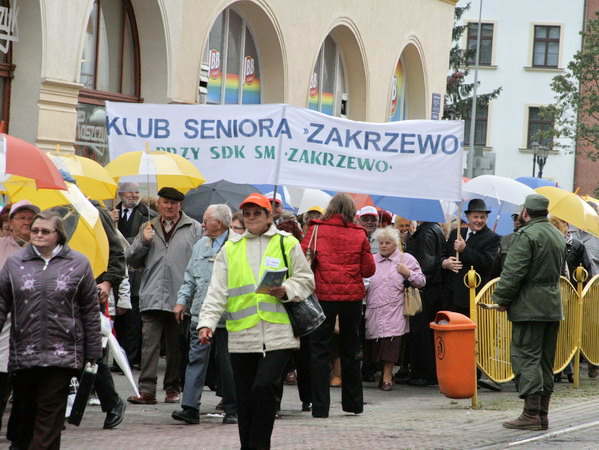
[{"x": 529, "y": 291}]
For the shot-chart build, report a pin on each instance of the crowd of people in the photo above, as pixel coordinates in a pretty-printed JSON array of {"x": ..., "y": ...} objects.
[{"x": 187, "y": 291}]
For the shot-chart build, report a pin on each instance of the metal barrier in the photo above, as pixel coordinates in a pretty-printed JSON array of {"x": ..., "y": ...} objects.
[
  {"x": 494, "y": 336},
  {"x": 578, "y": 331},
  {"x": 590, "y": 321}
]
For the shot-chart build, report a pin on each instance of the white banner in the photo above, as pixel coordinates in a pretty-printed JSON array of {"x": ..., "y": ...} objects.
[{"x": 286, "y": 145}]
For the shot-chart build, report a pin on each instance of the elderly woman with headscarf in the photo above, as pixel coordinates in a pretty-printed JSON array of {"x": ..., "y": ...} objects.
[
  {"x": 50, "y": 291},
  {"x": 386, "y": 324}
]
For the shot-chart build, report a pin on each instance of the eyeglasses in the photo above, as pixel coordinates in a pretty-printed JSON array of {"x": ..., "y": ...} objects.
[
  {"x": 255, "y": 213},
  {"x": 36, "y": 231}
]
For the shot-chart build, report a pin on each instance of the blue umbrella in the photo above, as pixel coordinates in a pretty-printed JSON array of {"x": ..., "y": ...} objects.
[
  {"x": 269, "y": 188},
  {"x": 534, "y": 182},
  {"x": 412, "y": 208}
]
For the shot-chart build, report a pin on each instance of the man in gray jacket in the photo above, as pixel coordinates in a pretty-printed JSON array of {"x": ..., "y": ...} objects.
[
  {"x": 198, "y": 274},
  {"x": 162, "y": 249}
]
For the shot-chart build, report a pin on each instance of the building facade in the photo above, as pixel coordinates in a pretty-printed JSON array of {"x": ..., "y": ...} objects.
[
  {"x": 365, "y": 60},
  {"x": 586, "y": 174},
  {"x": 523, "y": 46}
]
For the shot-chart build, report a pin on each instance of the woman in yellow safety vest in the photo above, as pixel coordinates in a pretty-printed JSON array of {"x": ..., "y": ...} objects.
[{"x": 261, "y": 339}]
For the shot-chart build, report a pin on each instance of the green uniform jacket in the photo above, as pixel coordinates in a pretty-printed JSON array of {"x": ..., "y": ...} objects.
[{"x": 529, "y": 284}]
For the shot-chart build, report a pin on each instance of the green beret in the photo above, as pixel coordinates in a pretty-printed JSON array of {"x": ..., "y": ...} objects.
[
  {"x": 536, "y": 202},
  {"x": 171, "y": 194}
]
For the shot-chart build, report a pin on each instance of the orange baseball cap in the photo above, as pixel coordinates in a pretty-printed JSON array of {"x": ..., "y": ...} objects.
[{"x": 257, "y": 199}]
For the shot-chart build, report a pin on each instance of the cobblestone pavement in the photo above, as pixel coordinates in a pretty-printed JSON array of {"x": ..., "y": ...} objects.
[{"x": 407, "y": 417}]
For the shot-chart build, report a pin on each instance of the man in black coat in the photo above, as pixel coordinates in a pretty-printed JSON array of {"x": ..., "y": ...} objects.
[
  {"x": 477, "y": 247},
  {"x": 426, "y": 245},
  {"x": 128, "y": 215}
]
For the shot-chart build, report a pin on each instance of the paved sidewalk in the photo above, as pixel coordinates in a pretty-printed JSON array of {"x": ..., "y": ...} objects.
[{"x": 407, "y": 417}]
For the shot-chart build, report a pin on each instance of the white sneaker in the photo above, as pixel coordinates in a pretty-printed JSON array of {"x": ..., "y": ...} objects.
[{"x": 93, "y": 401}]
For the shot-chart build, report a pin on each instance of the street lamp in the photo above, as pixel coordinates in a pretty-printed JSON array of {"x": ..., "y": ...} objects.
[
  {"x": 540, "y": 154},
  {"x": 535, "y": 149}
]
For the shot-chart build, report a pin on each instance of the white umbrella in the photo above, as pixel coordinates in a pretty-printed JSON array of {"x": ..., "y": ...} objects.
[
  {"x": 311, "y": 197},
  {"x": 119, "y": 355},
  {"x": 497, "y": 189},
  {"x": 502, "y": 195}
]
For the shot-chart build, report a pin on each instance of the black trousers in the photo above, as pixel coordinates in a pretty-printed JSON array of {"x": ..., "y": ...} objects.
[
  {"x": 226, "y": 380},
  {"x": 104, "y": 385},
  {"x": 4, "y": 393},
  {"x": 128, "y": 331},
  {"x": 41, "y": 396},
  {"x": 352, "y": 397},
  {"x": 302, "y": 365},
  {"x": 421, "y": 338},
  {"x": 256, "y": 384}
]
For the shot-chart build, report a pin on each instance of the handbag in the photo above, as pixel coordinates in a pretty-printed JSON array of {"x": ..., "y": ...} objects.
[
  {"x": 86, "y": 383},
  {"x": 311, "y": 251},
  {"x": 306, "y": 315},
  {"x": 412, "y": 303}
]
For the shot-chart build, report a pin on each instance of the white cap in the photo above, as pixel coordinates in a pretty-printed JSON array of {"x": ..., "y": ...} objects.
[
  {"x": 368, "y": 211},
  {"x": 271, "y": 197}
]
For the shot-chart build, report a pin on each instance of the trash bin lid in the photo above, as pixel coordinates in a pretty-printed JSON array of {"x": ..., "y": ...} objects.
[{"x": 447, "y": 320}]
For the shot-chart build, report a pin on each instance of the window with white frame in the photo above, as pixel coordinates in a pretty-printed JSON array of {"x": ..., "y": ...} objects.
[
  {"x": 480, "y": 127},
  {"x": 538, "y": 124},
  {"x": 328, "y": 90},
  {"x": 546, "y": 46},
  {"x": 486, "y": 43},
  {"x": 231, "y": 67}
]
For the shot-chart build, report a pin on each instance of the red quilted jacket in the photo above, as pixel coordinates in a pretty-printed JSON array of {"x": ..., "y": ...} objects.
[{"x": 343, "y": 258}]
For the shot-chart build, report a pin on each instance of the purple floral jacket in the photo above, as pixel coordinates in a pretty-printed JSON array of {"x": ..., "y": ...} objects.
[{"x": 55, "y": 313}]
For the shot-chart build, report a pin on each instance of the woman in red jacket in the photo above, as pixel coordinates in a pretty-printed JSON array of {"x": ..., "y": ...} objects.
[{"x": 343, "y": 258}]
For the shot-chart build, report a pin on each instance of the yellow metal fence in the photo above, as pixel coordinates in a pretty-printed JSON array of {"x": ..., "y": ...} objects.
[{"x": 579, "y": 331}]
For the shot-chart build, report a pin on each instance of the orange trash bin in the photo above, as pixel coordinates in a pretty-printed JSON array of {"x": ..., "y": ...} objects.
[{"x": 454, "y": 347}]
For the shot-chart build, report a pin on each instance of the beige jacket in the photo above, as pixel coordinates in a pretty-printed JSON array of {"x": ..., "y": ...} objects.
[{"x": 265, "y": 336}]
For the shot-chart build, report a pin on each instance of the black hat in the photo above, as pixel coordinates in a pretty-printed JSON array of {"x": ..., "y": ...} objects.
[
  {"x": 477, "y": 205},
  {"x": 171, "y": 194}
]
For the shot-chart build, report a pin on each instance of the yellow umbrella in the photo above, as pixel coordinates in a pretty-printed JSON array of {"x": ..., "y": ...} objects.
[
  {"x": 162, "y": 168},
  {"x": 588, "y": 198},
  {"x": 571, "y": 208},
  {"x": 81, "y": 219},
  {"x": 92, "y": 179}
]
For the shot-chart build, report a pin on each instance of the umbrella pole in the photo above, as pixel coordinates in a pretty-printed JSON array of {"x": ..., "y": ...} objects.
[
  {"x": 148, "y": 179},
  {"x": 274, "y": 197},
  {"x": 459, "y": 231},
  {"x": 498, "y": 216}
]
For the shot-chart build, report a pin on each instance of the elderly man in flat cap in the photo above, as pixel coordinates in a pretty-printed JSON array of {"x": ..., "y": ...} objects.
[
  {"x": 529, "y": 291},
  {"x": 162, "y": 248}
]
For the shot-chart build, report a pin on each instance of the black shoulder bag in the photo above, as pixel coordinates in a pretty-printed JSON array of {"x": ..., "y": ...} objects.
[{"x": 306, "y": 315}]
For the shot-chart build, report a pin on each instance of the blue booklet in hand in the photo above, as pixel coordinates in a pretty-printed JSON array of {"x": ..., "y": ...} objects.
[{"x": 270, "y": 279}]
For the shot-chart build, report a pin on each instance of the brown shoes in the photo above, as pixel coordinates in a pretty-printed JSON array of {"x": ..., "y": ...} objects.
[
  {"x": 143, "y": 399},
  {"x": 172, "y": 397},
  {"x": 336, "y": 381},
  {"x": 529, "y": 419}
]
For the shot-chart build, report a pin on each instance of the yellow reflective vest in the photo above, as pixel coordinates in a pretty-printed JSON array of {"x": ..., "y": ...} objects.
[{"x": 245, "y": 307}]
